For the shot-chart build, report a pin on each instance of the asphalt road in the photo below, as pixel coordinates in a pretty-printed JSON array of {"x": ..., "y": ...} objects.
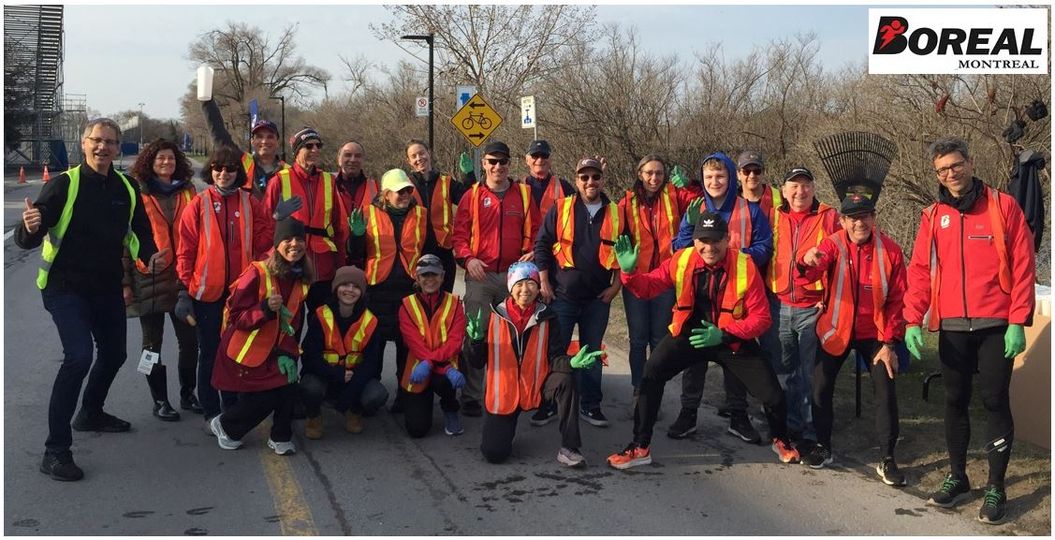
[{"x": 172, "y": 479}]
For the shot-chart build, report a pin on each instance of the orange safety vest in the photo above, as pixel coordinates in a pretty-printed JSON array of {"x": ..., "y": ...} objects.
[
  {"x": 610, "y": 227},
  {"x": 164, "y": 232},
  {"x": 511, "y": 381},
  {"x": 770, "y": 204},
  {"x": 207, "y": 283},
  {"x": 682, "y": 272},
  {"x": 249, "y": 164},
  {"x": 441, "y": 211},
  {"x": 347, "y": 350},
  {"x": 656, "y": 236},
  {"x": 553, "y": 193},
  {"x": 996, "y": 220},
  {"x": 381, "y": 242},
  {"x": 835, "y": 324},
  {"x": 527, "y": 241},
  {"x": 252, "y": 347},
  {"x": 321, "y": 216},
  {"x": 740, "y": 225},
  {"x": 434, "y": 331},
  {"x": 787, "y": 249}
]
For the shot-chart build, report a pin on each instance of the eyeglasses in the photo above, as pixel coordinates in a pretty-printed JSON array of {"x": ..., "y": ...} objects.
[
  {"x": 585, "y": 177},
  {"x": 749, "y": 172},
  {"x": 100, "y": 140},
  {"x": 539, "y": 156},
  {"x": 406, "y": 191},
  {"x": 955, "y": 168},
  {"x": 497, "y": 161},
  {"x": 313, "y": 146},
  {"x": 225, "y": 167}
]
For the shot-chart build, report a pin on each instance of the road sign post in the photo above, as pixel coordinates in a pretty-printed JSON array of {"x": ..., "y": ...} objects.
[{"x": 476, "y": 120}]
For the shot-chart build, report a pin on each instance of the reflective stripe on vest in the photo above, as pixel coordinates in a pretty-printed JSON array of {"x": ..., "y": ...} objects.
[
  {"x": 610, "y": 227},
  {"x": 164, "y": 238},
  {"x": 440, "y": 213},
  {"x": 662, "y": 237},
  {"x": 345, "y": 350},
  {"x": 553, "y": 193},
  {"x": 249, "y": 164},
  {"x": 740, "y": 225},
  {"x": 785, "y": 251},
  {"x": 381, "y": 244},
  {"x": 526, "y": 242},
  {"x": 836, "y": 323},
  {"x": 682, "y": 269},
  {"x": 252, "y": 347},
  {"x": 433, "y": 331},
  {"x": 209, "y": 279},
  {"x": 53, "y": 240},
  {"x": 515, "y": 383},
  {"x": 320, "y": 244}
]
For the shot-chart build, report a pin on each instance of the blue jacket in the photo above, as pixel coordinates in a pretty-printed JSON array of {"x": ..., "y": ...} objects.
[{"x": 761, "y": 247}]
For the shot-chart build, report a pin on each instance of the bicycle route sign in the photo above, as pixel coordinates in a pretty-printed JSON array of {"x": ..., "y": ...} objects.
[{"x": 476, "y": 120}]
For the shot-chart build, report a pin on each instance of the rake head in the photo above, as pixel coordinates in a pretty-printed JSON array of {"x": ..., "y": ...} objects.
[{"x": 856, "y": 161}]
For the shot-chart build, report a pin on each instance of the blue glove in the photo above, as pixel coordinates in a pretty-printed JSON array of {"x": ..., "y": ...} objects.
[
  {"x": 456, "y": 378},
  {"x": 421, "y": 372}
]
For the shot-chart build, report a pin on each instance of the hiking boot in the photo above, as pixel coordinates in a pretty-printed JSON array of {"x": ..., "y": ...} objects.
[
  {"x": 632, "y": 456},
  {"x": 282, "y": 448},
  {"x": 570, "y": 457},
  {"x": 61, "y": 468},
  {"x": 472, "y": 408},
  {"x": 99, "y": 421},
  {"x": 684, "y": 425},
  {"x": 544, "y": 415},
  {"x": 452, "y": 425},
  {"x": 313, "y": 427},
  {"x": 818, "y": 457},
  {"x": 222, "y": 439},
  {"x": 594, "y": 417},
  {"x": 953, "y": 491},
  {"x": 994, "y": 506},
  {"x": 889, "y": 473},
  {"x": 353, "y": 422},
  {"x": 189, "y": 402},
  {"x": 740, "y": 426},
  {"x": 783, "y": 449}
]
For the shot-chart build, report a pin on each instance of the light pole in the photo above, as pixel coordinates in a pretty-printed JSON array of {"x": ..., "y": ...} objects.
[
  {"x": 427, "y": 38},
  {"x": 141, "y": 125},
  {"x": 282, "y": 137}
]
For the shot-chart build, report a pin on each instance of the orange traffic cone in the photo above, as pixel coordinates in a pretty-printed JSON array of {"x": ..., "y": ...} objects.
[
  {"x": 21, "y": 175},
  {"x": 46, "y": 175}
]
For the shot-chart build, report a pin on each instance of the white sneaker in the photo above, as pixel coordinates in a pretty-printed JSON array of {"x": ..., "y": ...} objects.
[
  {"x": 222, "y": 439},
  {"x": 570, "y": 458},
  {"x": 282, "y": 448}
]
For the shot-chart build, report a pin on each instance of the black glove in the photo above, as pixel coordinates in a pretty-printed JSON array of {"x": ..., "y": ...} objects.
[
  {"x": 285, "y": 208},
  {"x": 185, "y": 308}
]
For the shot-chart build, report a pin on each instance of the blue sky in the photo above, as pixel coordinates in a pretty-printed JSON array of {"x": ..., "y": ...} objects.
[{"x": 122, "y": 55}]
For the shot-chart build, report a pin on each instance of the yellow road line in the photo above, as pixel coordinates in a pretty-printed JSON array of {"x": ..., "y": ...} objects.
[{"x": 294, "y": 515}]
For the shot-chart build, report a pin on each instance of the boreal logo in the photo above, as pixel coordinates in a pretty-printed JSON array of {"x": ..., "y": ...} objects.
[{"x": 890, "y": 38}]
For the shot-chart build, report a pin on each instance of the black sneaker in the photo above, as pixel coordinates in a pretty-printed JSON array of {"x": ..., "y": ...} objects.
[
  {"x": 994, "y": 506},
  {"x": 684, "y": 425},
  {"x": 190, "y": 403},
  {"x": 397, "y": 404},
  {"x": 740, "y": 426},
  {"x": 100, "y": 421},
  {"x": 472, "y": 408},
  {"x": 889, "y": 473},
  {"x": 953, "y": 491},
  {"x": 594, "y": 417},
  {"x": 544, "y": 415},
  {"x": 818, "y": 457},
  {"x": 724, "y": 413},
  {"x": 61, "y": 468}
]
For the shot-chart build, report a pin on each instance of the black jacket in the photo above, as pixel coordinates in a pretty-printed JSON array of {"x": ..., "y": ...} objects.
[
  {"x": 588, "y": 278},
  {"x": 1025, "y": 188},
  {"x": 314, "y": 344}
]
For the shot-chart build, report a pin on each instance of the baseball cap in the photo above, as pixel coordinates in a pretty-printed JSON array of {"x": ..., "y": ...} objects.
[
  {"x": 264, "y": 124},
  {"x": 710, "y": 226},
  {"x": 538, "y": 146},
  {"x": 395, "y": 180},
  {"x": 855, "y": 204},
  {"x": 497, "y": 148},
  {"x": 588, "y": 163},
  {"x": 749, "y": 157},
  {"x": 428, "y": 264},
  {"x": 798, "y": 171}
]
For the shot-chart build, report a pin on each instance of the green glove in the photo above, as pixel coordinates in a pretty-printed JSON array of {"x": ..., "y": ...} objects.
[
  {"x": 357, "y": 223},
  {"x": 692, "y": 213},
  {"x": 288, "y": 367},
  {"x": 1014, "y": 340},
  {"x": 625, "y": 254},
  {"x": 284, "y": 317},
  {"x": 677, "y": 178},
  {"x": 707, "y": 335},
  {"x": 914, "y": 341},
  {"x": 472, "y": 326},
  {"x": 465, "y": 163},
  {"x": 584, "y": 358}
]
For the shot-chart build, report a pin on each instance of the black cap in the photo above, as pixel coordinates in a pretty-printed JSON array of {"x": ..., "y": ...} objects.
[
  {"x": 496, "y": 148},
  {"x": 710, "y": 226},
  {"x": 856, "y": 204},
  {"x": 749, "y": 157},
  {"x": 288, "y": 228},
  {"x": 538, "y": 146},
  {"x": 798, "y": 171},
  {"x": 429, "y": 264}
]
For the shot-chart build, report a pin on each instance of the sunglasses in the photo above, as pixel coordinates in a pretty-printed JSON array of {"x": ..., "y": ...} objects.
[
  {"x": 225, "y": 167},
  {"x": 313, "y": 146},
  {"x": 584, "y": 177},
  {"x": 497, "y": 161},
  {"x": 539, "y": 156},
  {"x": 749, "y": 172},
  {"x": 409, "y": 190}
]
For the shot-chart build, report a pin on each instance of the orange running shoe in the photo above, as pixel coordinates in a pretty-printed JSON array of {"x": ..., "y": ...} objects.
[
  {"x": 786, "y": 452},
  {"x": 632, "y": 456}
]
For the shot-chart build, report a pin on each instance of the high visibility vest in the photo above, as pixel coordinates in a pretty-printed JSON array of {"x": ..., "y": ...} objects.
[
  {"x": 210, "y": 277},
  {"x": 740, "y": 225},
  {"x": 164, "y": 235},
  {"x": 441, "y": 211},
  {"x": 996, "y": 220},
  {"x": 53, "y": 240},
  {"x": 787, "y": 248},
  {"x": 345, "y": 350},
  {"x": 249, "y": 164},
  {"x": 739, "y": 272},
  {"x": 770, "y": 204},
  {"x": 381, "y": 242},
  {"x": 553, "y": 193},
  {"x": 653, "y": 238},
  {"x": 433, "y": 330},
  {"x": 835, "y": 324},
  {"x": 514, "y": 380},
  {"x": 320, "y": 216},
  {"x": 370, "y": 190},
  {"x": 526, "y": 243},
  {"x": 251, "y": 348},
  {"x": 610, "y": 227}
]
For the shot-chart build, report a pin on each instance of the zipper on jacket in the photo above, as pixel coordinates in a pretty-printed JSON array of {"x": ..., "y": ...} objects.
[
  {"x": 963, "y": 273},
  {"x": 794, "y": 250},
  {"x": 501, "y": 219}
]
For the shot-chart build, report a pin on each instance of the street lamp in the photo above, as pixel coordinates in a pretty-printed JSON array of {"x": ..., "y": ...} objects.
[
  {"x": 282, "y": 137},
  {"x": 141, "y": 126},
  {"x": 427, "y": 38}
]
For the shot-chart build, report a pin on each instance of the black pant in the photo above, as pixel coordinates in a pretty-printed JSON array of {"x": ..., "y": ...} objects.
[
  {"x": 209, "y": 316},
  {"x": 963, "y": 354},
  {"x": 347, "y": 396},
  {"x": 253, "y": 407},
  {"x": 675, "y": 354},
  {"x": 826, "y": 370},
  {"x": 153, "y": 325},
  {"x": 417, "y": 408},
  {"x": 499, "y": 429}
]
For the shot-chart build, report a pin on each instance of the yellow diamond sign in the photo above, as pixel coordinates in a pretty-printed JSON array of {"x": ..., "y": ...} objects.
[{"x": 476, "y": 120}]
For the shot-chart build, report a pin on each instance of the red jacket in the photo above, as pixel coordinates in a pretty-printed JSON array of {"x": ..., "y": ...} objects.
[
  {"x": 861, "y": 275},
  {"x": 308, "y": 187},
  {"x": 502, "y": 239},
  {"x": 416, "y": 344},
  {"x": 969, "y": 264}
]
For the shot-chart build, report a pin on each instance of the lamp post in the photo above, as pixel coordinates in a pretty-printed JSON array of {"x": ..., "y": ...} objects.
[
  {"x": 427, "y": 38},
  {"x": 141, "y": 126},
  {"x": 282, "y": 137}
]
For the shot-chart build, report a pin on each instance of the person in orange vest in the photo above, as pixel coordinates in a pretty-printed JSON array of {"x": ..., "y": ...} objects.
[
  {"x": 579, "y": 273},
  {"x": 341, "y": 354},
  {"x": 865, "y": 289},
  {"x": 518, "y": 344},
  {"x": 722, "y": 289},
  {"x": 262, "y": 162},
  {"x": 973, "y": 267},
  {"x": 259, "y": 348},
  {"x": 545, "y": 187},
  {"x": 221, "y": 232},
  {"x": 437, "y": 193},
  {"x": 316, "y": 202},
  {"x": 390, "y": 238},
  {"x": 432, "y": 322},
  {"x": 495, "y": 226},
  {"x": 357, "y": 190},
  {"x": 166, "y": 187}
]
